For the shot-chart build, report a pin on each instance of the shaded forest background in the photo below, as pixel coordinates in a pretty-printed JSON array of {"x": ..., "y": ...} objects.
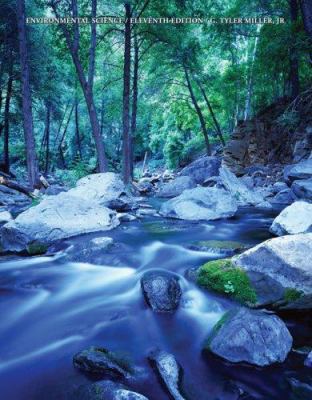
[{"x": 75, "y": 99}]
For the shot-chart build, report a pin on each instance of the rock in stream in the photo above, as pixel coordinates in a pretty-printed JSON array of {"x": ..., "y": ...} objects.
[
  {"x": 161, "y": 290},
  {"x": 249, "y": 336}
]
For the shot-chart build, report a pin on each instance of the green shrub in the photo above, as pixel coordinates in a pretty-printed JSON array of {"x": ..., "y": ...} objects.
[
  {"x": 291, "y": 294},
  {"x": 223, "y": 277},
  {"x": 36, "y": 248}
]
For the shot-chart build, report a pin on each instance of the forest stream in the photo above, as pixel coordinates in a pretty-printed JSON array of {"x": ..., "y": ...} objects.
[{"x": 51, "y": 309}]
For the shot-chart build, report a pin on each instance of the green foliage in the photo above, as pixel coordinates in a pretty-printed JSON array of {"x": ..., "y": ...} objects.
[
  {"x": 78, "y": 170},
  {"x": 219, "y": 56},
  {"x": 36, "y": 248},
  {"x": 291, "y": 294},
  {"x": 223, "y": 277}
]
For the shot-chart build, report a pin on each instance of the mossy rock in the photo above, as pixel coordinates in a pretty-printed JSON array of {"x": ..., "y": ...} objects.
[
  {"x": 36, "y": 248},
  {"x": 227, "y": 247},
  {"x": 292, "y": 294},
  {"x": 223, "y": 244},
  {"x": 217, "y": 327},
  {"x": 222, "y": 277},
  {"x": 162, "y": 228}
]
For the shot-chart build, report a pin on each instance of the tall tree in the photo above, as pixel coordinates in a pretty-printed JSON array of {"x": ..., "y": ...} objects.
[
  {"x": 213, "y": 116},
  {"x": 293, "y": 56},
  {"x": 134, "y": 97},
  {"x": 127, "y": 154},
  {"x": 198, "y": 110},
  {"x": 6, "y": 166},
  {"x": 31, "y": 158},
  {"x": 73, "y": 42}
]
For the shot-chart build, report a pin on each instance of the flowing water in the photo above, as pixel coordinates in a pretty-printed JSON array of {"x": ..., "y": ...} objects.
[{"x": 50, "y": 310}]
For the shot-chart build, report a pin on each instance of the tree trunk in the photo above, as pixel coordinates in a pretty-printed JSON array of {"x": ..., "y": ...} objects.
[
  {"x": 126, "y": 98},
  {"x": 77, "y": 129},
  {"x": 32, "y": 164},
  {"x": 63, "y": 137},
  {"x": 6, "y": 167},
  {"x": 134, "y": 100},
  {"x": 251, "y": 79},
  {"x": 86, "y": 85},
  {"x": 198, "y": 111},
  {"x": 47, "y": 137},
  {"x": 306, "y": 9},
  {"x": 293, "y": 56},
  {"x": 215, "y": 121}
]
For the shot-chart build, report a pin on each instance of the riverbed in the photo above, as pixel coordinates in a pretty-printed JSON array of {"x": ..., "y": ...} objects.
[{"x": 51, "y": 309}]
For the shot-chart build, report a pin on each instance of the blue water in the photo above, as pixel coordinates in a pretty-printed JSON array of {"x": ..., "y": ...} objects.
[{"x": 51, "y": 309}]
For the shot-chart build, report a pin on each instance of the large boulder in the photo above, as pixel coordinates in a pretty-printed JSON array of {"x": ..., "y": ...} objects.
[
  {"x": 239, "y": 190},
  {"x": 302, "y": 170},
  {"x": 303, "y": 189},
  {"x": 296, "y": 218},
  {"x": 200, "y": 204},
  {"x": 161, "y": 290},
  {"x": 252, "y": 337},
  {"x": 176, "y": 187},
  {"x": 169, "y": 371},
  {"x": 82, "y": 209},
  {"x": 106, "y": 390},
  {"x": 106, "y": 189},
  {"x": 202, "y": 168},
  {"x": 287, "y": 260}
]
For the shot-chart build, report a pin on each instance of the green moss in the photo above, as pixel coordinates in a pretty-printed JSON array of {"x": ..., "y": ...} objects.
[
  {"x": 35, "y": 201},
  {"x": 160, "y": 228},
  {"x": 223, "y": 277},
  {"x": 36, "y": 248},
  {"x": 291, "y": 294},
  {"x": 216, "y": 328}
]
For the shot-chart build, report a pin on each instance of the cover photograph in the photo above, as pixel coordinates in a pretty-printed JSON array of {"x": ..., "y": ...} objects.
[{"x": 155, "y": 200}]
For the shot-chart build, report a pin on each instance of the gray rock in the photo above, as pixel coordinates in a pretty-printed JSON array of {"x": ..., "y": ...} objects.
[
  {"x": 247, "y": 181},
  {"x": 161, "y": 290},
  {"x": 279, "y": 186},
  {"x": 239, "y": 190},
  {"x": 212, "y": 181},
  {"x": 176, "y": 187},
  {"x": 200, "y": 204},
  {"x": 106, "y": 390},
  {"x": 268, "y": 290},
  {"x": 169, "y": 371},
  {"x": 5, "y": 216},
  {"x": 308, "y": 360},
  {"x": 53, "y": 190},
  {"x": 296, "y": 218},
  {"x": 145, "y": 186},
  {"x": 287, "y": 260},
  {"x": 106, "y": 189},
  {"x": 100, "y": 361},
  {"x": 126, "y": 217},
  {"x": 251, "y": 336},
  {"x": 302, "y": 170},
  {"x": 89, "y": 251},
  {"x": 202, "y": 168},
  {"x": 285, "y": 196},
  {"x": 82, "y": 209},
  {"x": 303, "y": 189}
]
